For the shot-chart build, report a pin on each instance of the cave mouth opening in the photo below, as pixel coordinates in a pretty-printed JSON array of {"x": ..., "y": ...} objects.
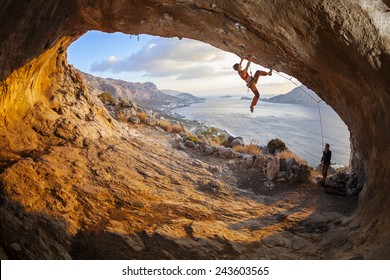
[
  {"x": 341, "y": 51},
  {"x": 177, "y": 65}
]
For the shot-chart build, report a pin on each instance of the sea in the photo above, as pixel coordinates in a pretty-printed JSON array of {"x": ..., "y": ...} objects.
[{"x": 298, "y": 126}]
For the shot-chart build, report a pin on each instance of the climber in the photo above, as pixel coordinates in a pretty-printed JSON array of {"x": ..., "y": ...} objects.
[{"x": 251, "y": 81}]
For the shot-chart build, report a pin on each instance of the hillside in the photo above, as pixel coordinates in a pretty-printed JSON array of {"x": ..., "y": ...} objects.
[
  {"x": 146, "y": 94},
  {"x": 184, "y": 95},
  {"x": 299, "y": 95}
]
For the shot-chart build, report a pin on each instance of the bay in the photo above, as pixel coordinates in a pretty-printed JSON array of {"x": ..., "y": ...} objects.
[{"x": 298, "y": 126}]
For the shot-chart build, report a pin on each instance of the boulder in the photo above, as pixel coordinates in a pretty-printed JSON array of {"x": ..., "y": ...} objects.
[
  {"x": 282, "y": 174},
  {"x": 290, "y": 162},
  {"x": 185, "y": 129},
  {"x": 268, "y": 184},
  {"x": 127, "y": 113},
  {"x": 229, "y": 141},
  {"x": 238, "y": 141},
  {"x": 249, "y": 160},
  {"x": 208, "y": 150},
  {"x": 272, "y": 168},
  {"x": 124, "y": 103},
  {"x": 283, "y": 164},
  {"x": 189, "y": 144},
  {"x": 181, "y": 146},
  {"x": 227, "y": 153},
  {"x": 151, "y": 121},
  {"x": 177, "y": 137},
  {"x": 134, "y": 120},
  {"x": 303, "y": 173},
  {"x": 260, "y": 161}
]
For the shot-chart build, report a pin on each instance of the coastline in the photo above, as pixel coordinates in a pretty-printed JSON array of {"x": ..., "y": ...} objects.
[{"x": 296, "y": 125}]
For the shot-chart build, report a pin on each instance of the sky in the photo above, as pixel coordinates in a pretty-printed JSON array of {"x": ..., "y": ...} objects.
[{"x": 183, "y": 65}]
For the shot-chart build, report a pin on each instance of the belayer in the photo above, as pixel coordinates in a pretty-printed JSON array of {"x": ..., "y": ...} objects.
[
  {"x": 325, "y": 160},
  {"x": 251, "y": 81}
]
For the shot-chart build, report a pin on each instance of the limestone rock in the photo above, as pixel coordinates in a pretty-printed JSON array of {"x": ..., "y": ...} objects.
[
  {"x": 181, "y": 146},
  {"x": 208, "y": 150},
  {"x": 238, "y": 141},
  {"x": 189, "y": 144},
  {"x": 341, "y": 51},
  {"x": 227, "y": 153},
  {"x": 134, "y": 120},
  {"x": 260, "y": 161},
  {"x": 272, "y": 168},
  {"x": 268, "y": 184},
  {"x": 283, "y": 164}
]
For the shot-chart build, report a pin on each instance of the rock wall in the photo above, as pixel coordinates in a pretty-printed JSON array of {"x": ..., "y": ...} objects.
[{"x": 340, "y": 50}]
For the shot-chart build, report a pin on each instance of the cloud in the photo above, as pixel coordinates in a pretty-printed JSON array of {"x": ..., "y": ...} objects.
[{"x": 161, "y": 57}]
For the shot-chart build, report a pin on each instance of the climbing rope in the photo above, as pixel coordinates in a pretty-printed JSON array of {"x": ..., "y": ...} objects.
[
  {"x": 250, "y": 71},
  {"x": 315, "y": 100}
]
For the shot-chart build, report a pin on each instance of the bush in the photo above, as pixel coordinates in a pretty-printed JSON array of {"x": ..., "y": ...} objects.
[
  {"x": 167, "y": 126},
  {"x": 288, "y": 154},
  {"x": 142, "y": 116},
  {"x": 276, "y": 144},
  {"x": 107, "y": 98},
  {"x": 251, "y": 149},
  {"x": 212, "y": 134},
  {"x": 177, "y": 128},
  {"x": 193, "y": 138}
]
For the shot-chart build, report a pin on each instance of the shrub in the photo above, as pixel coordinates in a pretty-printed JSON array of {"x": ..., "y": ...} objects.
[
  {"x": 121, "y": 117},
  {"x": 142, "y": 116},
  {"x": 107, "y": 98},
  {"x": 177, "y": 128},
  {"x": 251, "y": 149},
  {"x": 167, "y": 126},
  {"x": 193, "y": 138},
  {"x": 276, "y": 144},
  {"x": 288, "y": 154},
  {"x": 213, "y": 135}
]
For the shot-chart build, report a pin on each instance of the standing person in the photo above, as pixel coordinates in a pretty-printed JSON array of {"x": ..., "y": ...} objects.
[
  {"x": 251, "y": 81},
  {"x": 325, "y": 160}
]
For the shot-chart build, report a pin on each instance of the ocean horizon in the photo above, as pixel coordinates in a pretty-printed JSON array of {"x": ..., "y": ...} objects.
[{"x": 297, "y": 125}]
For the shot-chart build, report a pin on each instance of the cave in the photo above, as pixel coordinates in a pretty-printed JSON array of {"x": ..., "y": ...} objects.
[{"x": 340, "y": 50}]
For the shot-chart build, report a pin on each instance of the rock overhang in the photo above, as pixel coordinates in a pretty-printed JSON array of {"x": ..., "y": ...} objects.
[{"x": 340, "y": 50}]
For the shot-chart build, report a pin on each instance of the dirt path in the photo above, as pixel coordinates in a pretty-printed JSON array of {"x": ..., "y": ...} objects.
[
  {"x": 302, "y": 194},
  {"x": 305, "y": 221}
]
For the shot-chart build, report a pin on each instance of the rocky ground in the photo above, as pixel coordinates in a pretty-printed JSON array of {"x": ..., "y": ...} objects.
[{"x": 139, "y": 197}]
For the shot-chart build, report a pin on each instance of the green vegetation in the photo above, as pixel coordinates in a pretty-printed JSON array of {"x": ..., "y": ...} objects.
[
  {"x": 212, "y": 134},
  {"x": 251, "y": 149},
  {"x": 193, "y": 138},
  {"x": 107, "y": 98},
  {"x": 276, "y": 144}
]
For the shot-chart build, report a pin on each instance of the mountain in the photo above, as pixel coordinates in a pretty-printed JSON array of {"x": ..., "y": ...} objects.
[
  {"x": 299, "y": 95},
  {"x": 171, "y": 92},
  {"x": 184, "y": 95},
  {"x": 146, "y": 95},
  {"x": 189, "y": 97}
]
